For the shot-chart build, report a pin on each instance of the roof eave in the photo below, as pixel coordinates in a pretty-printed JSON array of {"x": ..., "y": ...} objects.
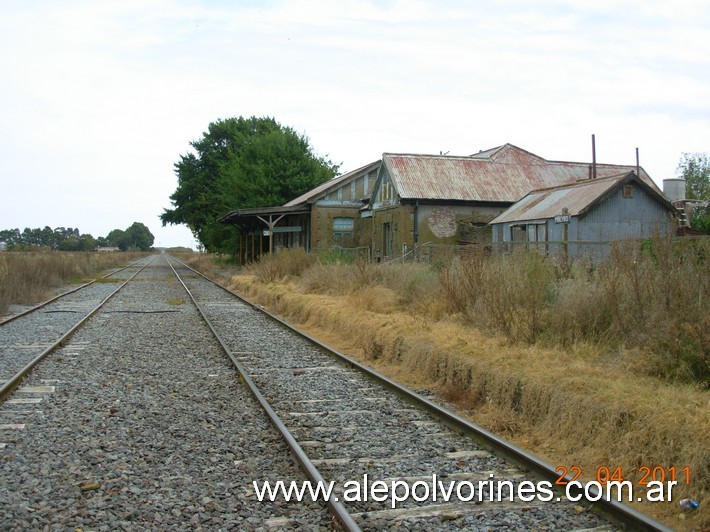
[{"x": 261, "y": 211}]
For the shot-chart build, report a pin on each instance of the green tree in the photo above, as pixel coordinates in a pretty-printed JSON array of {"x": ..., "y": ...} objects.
[
  {"x": 87, "y": 242},
  {"x": 117, "y": 239},
  {"x": 240, "y": 163},
  {"x": 71, "y": 243},
  {"x": 11, "y": 237},
  {"x": 138, "y": 236},
  {"x": 695, "y": 169},
  {"x": 701, "y": 220}
]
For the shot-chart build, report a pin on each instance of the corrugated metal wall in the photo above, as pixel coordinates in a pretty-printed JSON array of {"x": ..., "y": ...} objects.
[{"x": 619, "y": 218}]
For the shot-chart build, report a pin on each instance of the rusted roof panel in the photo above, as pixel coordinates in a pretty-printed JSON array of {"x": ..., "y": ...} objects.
[
  {"x": 577, "y": 197},
  {"x": 503, "y": 174}
]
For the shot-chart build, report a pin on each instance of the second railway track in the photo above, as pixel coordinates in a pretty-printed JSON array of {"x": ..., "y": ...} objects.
[{"x": 30, "y": 335}]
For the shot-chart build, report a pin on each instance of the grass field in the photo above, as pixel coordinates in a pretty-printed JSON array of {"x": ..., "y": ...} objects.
[
  {"x": 592, "y": 366},
  {"x": 30, "y": 277}
]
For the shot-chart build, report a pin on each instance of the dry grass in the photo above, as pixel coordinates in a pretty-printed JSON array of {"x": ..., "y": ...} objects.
[
  {"x": 651, "y": 299},
  {"x": 562, "y": 362},
  {"x": 28, "y": 277},
  {"x": 279, "y": 266}
]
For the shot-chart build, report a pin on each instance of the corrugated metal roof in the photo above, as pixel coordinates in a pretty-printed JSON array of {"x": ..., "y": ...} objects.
[
  {"x": 324, "y": 188},
  {"x": 504, "y": 174},
  {"x": 577, "y": 198},
  {"x": 543, "y": 204}
]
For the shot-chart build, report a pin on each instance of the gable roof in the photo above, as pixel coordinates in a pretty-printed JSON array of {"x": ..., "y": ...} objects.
[
  {"x": 324, "y": 188},
  {"x": 577, "y": 197},
  {"x": 503, "y": 174},
  {"x": 299, "y": 205}
]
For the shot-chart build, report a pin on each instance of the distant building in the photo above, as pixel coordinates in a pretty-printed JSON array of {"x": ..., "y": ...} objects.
[
  {"x": 443, "y": 199},
  {"x": 585, "y": 216},
  {"x": 404, "y": 200},
  {"x": 3, "y": 246}
]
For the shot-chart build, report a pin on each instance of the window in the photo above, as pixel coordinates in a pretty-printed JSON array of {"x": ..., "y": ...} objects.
[
  {"x": 518, "y": 233},
  {"x": 340, "y": 194},
  {"x": 385, "y": 193},
  {"x": 343, "y": 228},
  {"x": 533, "y": 234},
  {"x": 352, "y": 190},
  {"x": 628, "y": 191},
  {"x": 343, "y": 224}
]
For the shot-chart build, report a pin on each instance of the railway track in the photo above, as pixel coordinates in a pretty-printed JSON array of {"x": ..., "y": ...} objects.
[
  {"x": 349, "y": 423},
  {"x": 138, "y": 421},
  {"x": 127, "y": 399},
  {"x": 31, "y": 335}
]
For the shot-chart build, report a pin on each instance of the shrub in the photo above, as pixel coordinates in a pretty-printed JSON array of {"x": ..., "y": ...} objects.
[
  {"x": 514, "y": 292},
  {"x": 285, "y": 263},
  {"x": 461, "y": 281}
]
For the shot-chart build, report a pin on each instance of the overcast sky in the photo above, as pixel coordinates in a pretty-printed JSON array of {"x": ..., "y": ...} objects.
[{"x": 98, "y": 99}]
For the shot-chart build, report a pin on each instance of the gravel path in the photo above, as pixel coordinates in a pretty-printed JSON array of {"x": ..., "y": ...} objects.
[{"x": 142, "y": 424}]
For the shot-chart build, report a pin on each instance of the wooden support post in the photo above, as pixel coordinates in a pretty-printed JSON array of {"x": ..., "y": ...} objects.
[{"x": 271, "y": 223}]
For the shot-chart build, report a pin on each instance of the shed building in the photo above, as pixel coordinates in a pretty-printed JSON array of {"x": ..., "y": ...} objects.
[{"x": 581, "y": 218}]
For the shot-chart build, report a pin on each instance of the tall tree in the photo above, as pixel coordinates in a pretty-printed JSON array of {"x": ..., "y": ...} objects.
[
  {"x": 138, "y": 236},
  {"x": 695, "y": 169},
  {"x": 240, "y": 163},
  {"x": 117, "y": 239}
]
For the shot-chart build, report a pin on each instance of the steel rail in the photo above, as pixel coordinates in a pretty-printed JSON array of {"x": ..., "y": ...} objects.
[
  {"x": 615, "y": 511},
  {"x": 59, "y": 296},
  {"x": 8, "y": 386},
  {"x": 336, "y": 507}
]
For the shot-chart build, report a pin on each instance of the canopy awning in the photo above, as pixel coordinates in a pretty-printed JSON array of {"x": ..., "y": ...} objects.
[{"x": 263, "y": 212}]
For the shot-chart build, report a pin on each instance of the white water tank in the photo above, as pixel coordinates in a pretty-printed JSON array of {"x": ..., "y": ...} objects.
[{"x": 674, "y": 189}]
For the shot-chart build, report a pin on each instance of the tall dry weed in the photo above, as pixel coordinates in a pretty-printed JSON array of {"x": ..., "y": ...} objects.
[
  {"x": 412, "y": 282},
  {"x": 28, "y": 277},
  {"x": 282, "y": 264},
  {"x": 658, "y": 295},
  {"x": 650, "y": 299},
  {"x": 514, "y": 295},
  {"x": 461, "y": 281},
  {"x": 331, "y": 279}
]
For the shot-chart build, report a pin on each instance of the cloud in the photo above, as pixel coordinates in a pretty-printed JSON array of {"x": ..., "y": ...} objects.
[{"x": 99, "y": 99}]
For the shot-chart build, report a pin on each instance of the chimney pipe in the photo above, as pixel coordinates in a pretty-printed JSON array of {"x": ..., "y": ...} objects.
[
  {"x": 594, "y": 158},
  {"x": 638, "y": 171}
]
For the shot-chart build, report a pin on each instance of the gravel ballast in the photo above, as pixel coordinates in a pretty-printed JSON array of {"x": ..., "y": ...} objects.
[
  {"x": 26, "y": 336},
  {"x": 148, "y": 427},
  {"x": 351, "y": 426}
]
